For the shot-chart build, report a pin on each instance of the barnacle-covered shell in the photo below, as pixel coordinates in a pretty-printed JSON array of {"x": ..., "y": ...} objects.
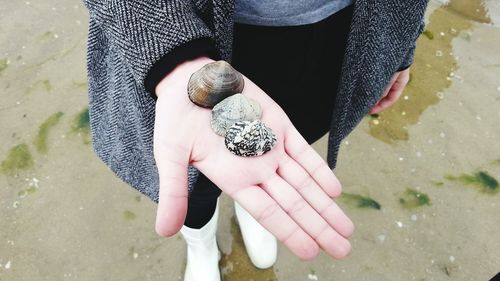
[
  {"x": 249, "y": 138},
  {"x": 214, "y": 82},
  {"x": 232, "y": 109}
]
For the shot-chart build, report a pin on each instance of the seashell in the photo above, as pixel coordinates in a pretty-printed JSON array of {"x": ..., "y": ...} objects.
[
  {"x": 214, "y": 82},
  {"x": 232, "y": 109},
  {"x": 249, "y": 138}
]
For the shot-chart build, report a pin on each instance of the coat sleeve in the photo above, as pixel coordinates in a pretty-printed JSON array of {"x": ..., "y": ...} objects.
[
  {"x": 153, "y": 36},
  {"x": 408, "y": 60}
]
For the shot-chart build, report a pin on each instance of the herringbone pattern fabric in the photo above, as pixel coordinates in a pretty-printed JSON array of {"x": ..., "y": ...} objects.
[{"x": 126, "y": 37}]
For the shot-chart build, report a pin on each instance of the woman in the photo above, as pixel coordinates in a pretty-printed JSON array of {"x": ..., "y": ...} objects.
[{"x": 340, "y": 61}]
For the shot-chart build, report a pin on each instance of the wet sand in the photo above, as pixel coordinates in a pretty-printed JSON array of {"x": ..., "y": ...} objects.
[{"x": 420, "y": 179}]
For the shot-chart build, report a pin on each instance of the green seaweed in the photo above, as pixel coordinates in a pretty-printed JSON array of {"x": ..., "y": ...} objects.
[
  {"x": 43, "y": 84},
  {"x": 427, "y": 33},
  {"x": 46, "y": 36},
  {"x": 46, "y": 85},
  {"x": 3, "y": 64},
  {"x": 40, "y": 140},
  {"x": 80, "y": 84},
  {"x": 81, "y": 125},
  {"x": 19, "y": 157},
  {"x": 360, "y": 201},
  {"x": 412, "y": 199},
  {"x": 29, "y": 190},
  {"x": 437, "y": 183},
  {"x": 450, "y": 269},
  {"x": 129, "y": 215},
  {"x": 482, "y": 180},
  {"x": 131, "y": 250},
  {"x": 40, "y": 85}
]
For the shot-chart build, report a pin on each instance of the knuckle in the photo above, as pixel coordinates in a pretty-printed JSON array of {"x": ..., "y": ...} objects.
[
  {"x": 393, "y": 96},
  {"x": 317, "y": 169},
  {"x": 268, "y": 212},
  {"x": 309, "y": 251},
  {"x": 286, "y": 239},
  {"x": 324, "y": 229},
  {"x": 325, "y": 209},
  {"x": 304, "y": 183},
  {"x": 302, "y": 149},
  {"x": 297, "y": 206}
]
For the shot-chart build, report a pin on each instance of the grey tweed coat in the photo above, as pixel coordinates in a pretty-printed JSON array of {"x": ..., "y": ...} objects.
[{"x": 127, "y": 37}]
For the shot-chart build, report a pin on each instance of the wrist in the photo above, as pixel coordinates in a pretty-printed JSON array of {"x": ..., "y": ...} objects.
[{"x": 178, "y": 78}]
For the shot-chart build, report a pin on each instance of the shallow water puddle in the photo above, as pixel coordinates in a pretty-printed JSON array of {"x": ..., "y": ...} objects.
[
  {"x": 474, "y": 10},
  {"x": 236, "y": 265},
  {"x": 432, "y": 71}
]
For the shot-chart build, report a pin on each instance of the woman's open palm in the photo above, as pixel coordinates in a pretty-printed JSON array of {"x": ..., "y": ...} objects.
[{"x": 287, "y": 190}]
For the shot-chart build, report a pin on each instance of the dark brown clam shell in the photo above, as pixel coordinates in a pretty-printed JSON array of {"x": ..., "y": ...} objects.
[{"x": 214, "y": 82}]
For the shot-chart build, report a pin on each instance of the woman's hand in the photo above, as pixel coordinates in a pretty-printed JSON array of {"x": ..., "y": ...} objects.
[
  {"x": 392, "y": 91},
  {"x": 287, "y": 190}
]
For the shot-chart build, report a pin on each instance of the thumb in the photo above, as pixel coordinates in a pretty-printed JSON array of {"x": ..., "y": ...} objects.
[{"x": 172, "y": 161}]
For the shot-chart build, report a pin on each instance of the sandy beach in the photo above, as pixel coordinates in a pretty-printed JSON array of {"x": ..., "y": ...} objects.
[{"x": 420, "y": 180}]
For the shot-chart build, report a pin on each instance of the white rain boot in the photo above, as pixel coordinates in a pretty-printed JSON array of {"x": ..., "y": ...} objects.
[
  {"x": 203, "y": 254},
  {"x": 261, "y": 245}
]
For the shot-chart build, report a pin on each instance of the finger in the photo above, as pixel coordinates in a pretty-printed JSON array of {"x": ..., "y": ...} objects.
[
  {"x": 400, "y": 84},
  {"x": 299, "y": 179},
  {"x": 270, "y": 215},
  {"x": 397, "y": 86},
  {"x": 387, "y": 88},
  {"x": 299, "y": 150},
  {"x": 391, "y": 98},
  {"x": 305, "y": 216},
  {"x": 172, "y": 162},
  {"x": 377, "y": 108}
]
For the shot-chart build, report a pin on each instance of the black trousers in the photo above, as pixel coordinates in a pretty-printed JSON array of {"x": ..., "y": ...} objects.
[{"x": 297, "y": 66}]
